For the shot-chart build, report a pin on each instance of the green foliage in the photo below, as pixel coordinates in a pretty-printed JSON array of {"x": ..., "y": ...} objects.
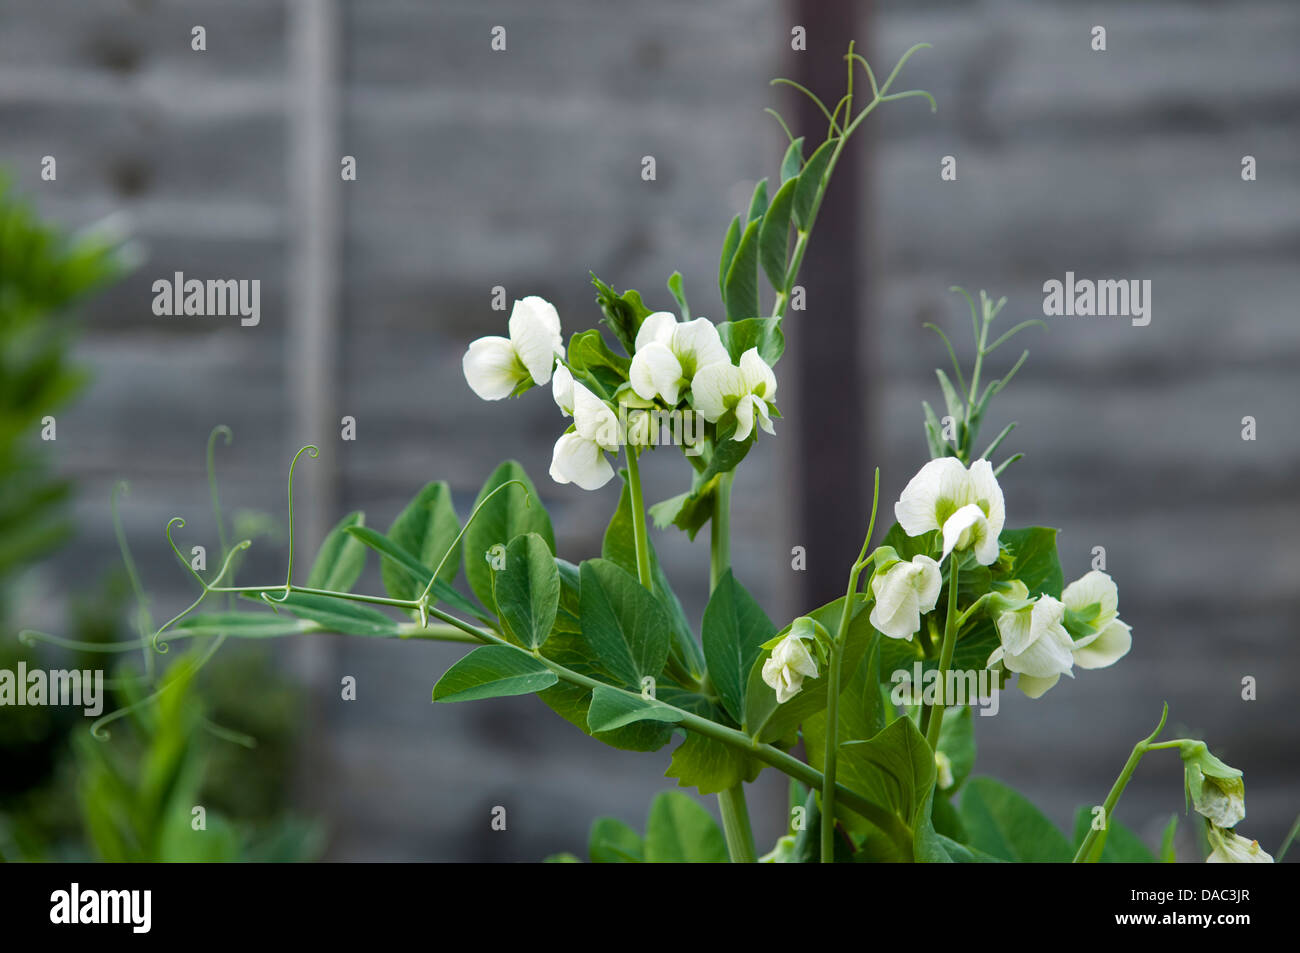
[
  {"x": 1122, "y": 846},
  {"x": 514, "y": 511},
  {"x": 43, "y": 275},
  {"x": 492, "y": 671},
  {"x": 527, "y": 591},
  {"x": 341, "y": 559},
  {"x": 1005, "y": 825},
  {"x": 735, "y": 627}
]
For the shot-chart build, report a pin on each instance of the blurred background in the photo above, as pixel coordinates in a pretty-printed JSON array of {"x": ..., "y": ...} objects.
[{"x": 521, "y": 168}]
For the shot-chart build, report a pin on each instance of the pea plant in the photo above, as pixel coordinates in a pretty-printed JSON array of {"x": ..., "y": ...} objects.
[{"x": 941, "y": 610}]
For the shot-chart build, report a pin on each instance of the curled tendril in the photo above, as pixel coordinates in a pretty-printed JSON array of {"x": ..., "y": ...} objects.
[
  {"x": 161, "y": 647},
  {"x": 784, "y": 126},
  {"x": 99, "y": 725},
  {"x": 312, "y": 452},
  {"x": 223, "y": 431}
]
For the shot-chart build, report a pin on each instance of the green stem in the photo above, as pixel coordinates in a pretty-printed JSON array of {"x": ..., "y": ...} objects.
[
  {"x": 785, "y": 763},
  {"x": 720, "y": 530},
  {"x": 945, "y": 657},
  {"x": 735, "y": 824},
  {"x": 1108, "y": 807},
  {"x": 830, "y": 760},
  {"x": 640, "y": 538},
  {"x": 731, "y": 803}
]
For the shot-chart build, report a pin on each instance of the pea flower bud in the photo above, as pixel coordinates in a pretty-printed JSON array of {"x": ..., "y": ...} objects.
[
  {"x": 791, "y": 661},
  {"x": 1216, "y": 790},
  {"x": 1035, "y": 644},
  {"x": 904, "y": 592}
]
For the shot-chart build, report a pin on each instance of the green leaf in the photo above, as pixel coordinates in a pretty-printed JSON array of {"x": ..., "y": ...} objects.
[
  {"x": 810, "y": 183},
  {"x": 611, "y": 708},
  {"x": 513, "y": 512},
  {"x": 678, "y": 292},
  {"x": 734, "y": 629},
  {"x": 341, "y": 557},
  {"x": 762, "y": 333},
  {"x": 729, "y": 245},
  {"x": 894, "y": 769},
  {"x": 774, "y": 235},
  {"x": 1168, "y": 855},
  {"x": 591, "y": 359},
  {"x": 1122, "y": 846},
  {"x": 623, "y": 312},
  {"x": 957, "y": 741},
  {"x": 572, "y": 702},
  {"x": 741, "y": 295},
  {"x": 1034, "y": 559},
  {"x": 793, "y": 161},
  {"x": 1004, "y": 824},
  {"x": 709, "y": 765},
  {"x": 625, "y": 626},
  {"x": 493, "y": 671},
  {"x": 427, "y": 528},
  {"x": 861, "y": 713},
  {"x": 527, "y": 590},
  {"x": 680, "y": 831},
  {"x": 619, "y": 547},
  {"x": 689, "y": 511},
  {"x": 758, "y": 203},
  {"x": 334, "y": 615},
  {"x": 613, "y": 842}
]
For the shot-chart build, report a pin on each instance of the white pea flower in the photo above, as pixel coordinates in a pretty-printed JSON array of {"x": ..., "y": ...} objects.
[
  {"x": 669, "y": 354},
  {"x": 747, "y": 390},
  {"x": 1232, "y": 848},
  {"x": 562, "y": 389},
  {"x": 495, "y": 366},
  {"x": 966, "y": 505},
  {"x": 1112, "y": 640},
  {"x": 791, "y": 661},
  {"x": 1035, "y": 644},
  {"x": 579, "y": 455},
  {"x": 904, "y": 593}
]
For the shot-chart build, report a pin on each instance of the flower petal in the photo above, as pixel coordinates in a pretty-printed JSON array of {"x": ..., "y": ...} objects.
[
  {"x": 578, "y": 460},
  {"x": 967, "y": 526},
  {"x": 917, "y": 507},
  {"x": 711, "y": 387},
  {"x": 656, "y": 372},
  {"x": 535, "y": 334},
  {"x": 593, "y": 420},
  {"x": 1035, "y": 687},
  {"x": 759, "y": 378},
  {"x": 1106, "y": 648},
  {"x": 562, "y": 389},
  {"x": 1095, "y": 586},
  {"x": 697, "y": 345},
  {"x": 492, "y": 368},
  {"x": 656, "y": 327}
]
